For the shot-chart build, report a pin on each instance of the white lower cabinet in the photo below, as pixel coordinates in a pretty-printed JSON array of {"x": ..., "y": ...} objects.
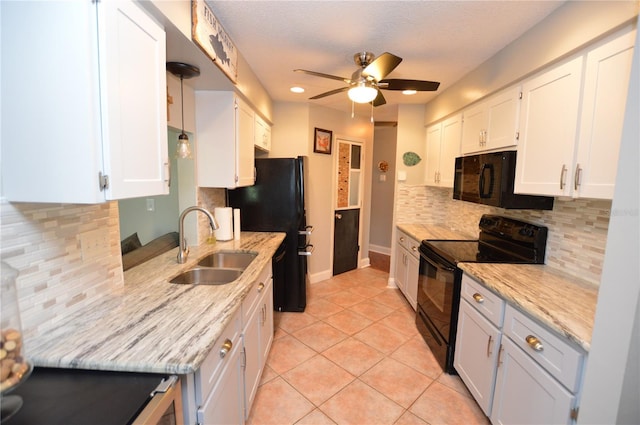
[
  {"x": 257, "y": 334},
  {"x": 227, "y": 382},
  {"x": 518, "y": 371},
  {"x": 407, "y": 267},
  {"x": 525, "y": 393},
  {"x": 218, "y": 382}
]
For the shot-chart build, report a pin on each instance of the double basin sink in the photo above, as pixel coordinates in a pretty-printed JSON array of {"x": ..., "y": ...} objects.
[{"x": 217, "y": 268}]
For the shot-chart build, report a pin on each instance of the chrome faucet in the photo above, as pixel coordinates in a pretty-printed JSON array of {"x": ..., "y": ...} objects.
[{"x": 183, "y": 251}]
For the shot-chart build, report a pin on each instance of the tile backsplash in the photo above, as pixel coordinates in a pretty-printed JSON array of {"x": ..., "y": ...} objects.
[
  {"x": 577, "y": 227},
  {"x": 42, "y": 241}
]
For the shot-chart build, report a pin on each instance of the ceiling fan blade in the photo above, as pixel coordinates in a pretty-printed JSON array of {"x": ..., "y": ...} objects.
[
  {"x": 381, "y": 66},
  {"x": 329, "y": 93},
  {"x": 379, "y": 100},
  {"x": 320, "y": 74},
  {"x": 401, "y": 84}
]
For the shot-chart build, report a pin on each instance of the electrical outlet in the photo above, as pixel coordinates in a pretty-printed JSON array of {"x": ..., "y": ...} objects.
[
  {"x": 94, "y": 244},
  {"x": 151, "y": 204}
]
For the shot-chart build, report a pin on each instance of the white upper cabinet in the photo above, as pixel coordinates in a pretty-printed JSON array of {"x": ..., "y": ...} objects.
[
  {"x": 493, "y": 123},
  {"x": 89, "y": 108},
  {"x": 606, "y": 83},
  {"x": 262, "y": 138},
  {"x": 571, "y": 123},
  {"x": 224, "y": 140},
  {"x": 443, "y": 146}
]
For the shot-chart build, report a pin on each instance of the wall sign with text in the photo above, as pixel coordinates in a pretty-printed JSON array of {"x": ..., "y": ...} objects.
[{"x": 207, "y": 32}]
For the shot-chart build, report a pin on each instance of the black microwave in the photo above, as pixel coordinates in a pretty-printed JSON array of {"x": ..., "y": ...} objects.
[{"x": 489, "y": 179}]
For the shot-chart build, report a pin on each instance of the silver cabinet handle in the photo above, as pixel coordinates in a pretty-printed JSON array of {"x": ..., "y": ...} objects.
[
  {"x": 307, "y": 231},
  {"x": 489, "y": 346},
  {"x": 563, "y": 176},
  {"x": 577, "y": 177},
  {"x": 534, "y": 343},
  {"x": 226, "y": 347}
]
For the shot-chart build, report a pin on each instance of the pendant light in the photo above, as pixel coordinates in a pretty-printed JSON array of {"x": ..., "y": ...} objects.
[{"x": 182, "y": 71}]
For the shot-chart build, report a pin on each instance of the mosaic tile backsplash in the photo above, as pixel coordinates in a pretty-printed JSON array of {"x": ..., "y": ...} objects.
[
  {"x": 577, "y": 227},
  {"x": 43, "y": 242}
]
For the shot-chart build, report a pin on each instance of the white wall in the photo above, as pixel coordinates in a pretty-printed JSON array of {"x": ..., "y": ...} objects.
[{"x": 292, "y": 135}]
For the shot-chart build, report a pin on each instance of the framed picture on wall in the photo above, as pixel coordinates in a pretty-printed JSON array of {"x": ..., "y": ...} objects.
[{"x": 322, "y": 141}]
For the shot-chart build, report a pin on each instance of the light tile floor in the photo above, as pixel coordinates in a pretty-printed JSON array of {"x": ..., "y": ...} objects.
[{"x": 355, "y": 357}]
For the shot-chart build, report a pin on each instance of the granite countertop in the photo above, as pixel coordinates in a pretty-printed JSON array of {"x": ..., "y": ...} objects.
[
  {"x": 560, "y": 301},
  {"x": 149, "y": 324},
  {"x": 429, "y": 231}
]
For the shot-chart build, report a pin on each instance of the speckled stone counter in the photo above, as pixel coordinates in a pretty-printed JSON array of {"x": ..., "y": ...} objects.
[
  {"x": 423, "y": 231},
  {"x": 560, "y": 301},
  {"x": 151, "y": 325}
]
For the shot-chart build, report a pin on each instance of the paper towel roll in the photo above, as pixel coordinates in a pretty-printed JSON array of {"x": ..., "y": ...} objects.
[
  {"x": 236, "y": 223},
  {"x": 224, "y": 217}
]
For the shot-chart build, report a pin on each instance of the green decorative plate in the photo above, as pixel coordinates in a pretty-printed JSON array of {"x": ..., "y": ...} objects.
[{"x": 410, "y": 159}]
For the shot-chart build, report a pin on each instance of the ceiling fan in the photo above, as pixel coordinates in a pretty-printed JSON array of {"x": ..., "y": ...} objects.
[{"x": 366, "y": 82}]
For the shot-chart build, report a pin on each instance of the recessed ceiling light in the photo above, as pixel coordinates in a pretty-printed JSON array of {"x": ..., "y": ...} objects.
[
  {"x": 296, "y": 89},
  {"x": 409, "y": 92}
]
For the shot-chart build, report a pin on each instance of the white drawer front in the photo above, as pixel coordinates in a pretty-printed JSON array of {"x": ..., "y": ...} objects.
[
  {"x": 413, "y": 246},
  {"x": 403, "y": 239},
  {"x": 553, "y": 353},
  {"x": 208, "y": 373},
  {"x": 482, "y": 299},
  {"x": 249, "y": 304}
]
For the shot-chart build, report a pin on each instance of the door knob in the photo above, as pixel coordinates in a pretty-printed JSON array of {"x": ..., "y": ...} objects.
[{"x": 339, "y": 216}]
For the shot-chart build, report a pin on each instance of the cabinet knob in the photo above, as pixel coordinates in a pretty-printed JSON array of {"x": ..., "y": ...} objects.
[
  {"x": 260, "y": 286},
  {"x": 479, "y": 298},
  {"x": 534, "y": 343},
  {"x": 226, "y": 347}
]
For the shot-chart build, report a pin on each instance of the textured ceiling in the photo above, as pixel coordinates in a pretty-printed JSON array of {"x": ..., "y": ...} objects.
[{"x": 438, "y": 40}]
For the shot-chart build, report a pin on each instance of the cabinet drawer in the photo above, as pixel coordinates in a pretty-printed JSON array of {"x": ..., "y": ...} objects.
[
  {"x": 482, "y": 299},
  {"x": 212, "y": 366},
  {"x": 402, "y": 239},
  {"x": 257, "y": 289},
  {"x": 408, "y": 243},
  {"x": 554, "y": 354}
]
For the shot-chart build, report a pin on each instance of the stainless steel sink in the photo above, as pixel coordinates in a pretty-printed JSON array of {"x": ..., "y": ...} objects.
[
  {"x": 228, "y": 260},
  {"x": 207, "y": 276}
]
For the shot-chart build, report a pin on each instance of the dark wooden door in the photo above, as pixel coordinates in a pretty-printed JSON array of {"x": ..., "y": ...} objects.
[{"x": 345, "y": 240}]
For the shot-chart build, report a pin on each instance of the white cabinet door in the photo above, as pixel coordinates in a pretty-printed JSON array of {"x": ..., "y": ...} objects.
[
  {"x": 262, "y": 138},
  {"x": 548, "y": 123},
  {"x": 253, "y": 356},
  {"x": 526, "y": 394},
  {"x": 606, "y": 85},
  {"x": 266, "y": 328},
  {"x": 449, "y": 150},
  {"x": 443, "y": 146},
  {"x": 92, "y": 103},
  {"x": 226, "y": 400},
  {"x": 401, "y": 269},
  {"x": 411, "y": 285},
  {"x": 493, "y": 123},
  {"x": 224, "y": 133},
  {"x": 503, "y": 112},
  {"x": 432, "y": 160},
  {"x": 474, "y": 129},
  {"x": 133, "y": 100},
  {"x": 477, "y": 345}
]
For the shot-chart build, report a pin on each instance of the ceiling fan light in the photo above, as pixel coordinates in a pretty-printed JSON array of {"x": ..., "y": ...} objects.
[
  {"x": 409, "y": 92},
  {"x": 296, "y": 89},
  {"x": 362, "y": 93}
]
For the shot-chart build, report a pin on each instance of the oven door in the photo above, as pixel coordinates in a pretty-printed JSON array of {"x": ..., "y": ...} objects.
[{"x": 435, "y": 291}]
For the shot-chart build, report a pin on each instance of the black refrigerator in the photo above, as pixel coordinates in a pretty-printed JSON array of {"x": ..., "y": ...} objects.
[{"x": 275, "y": 203}]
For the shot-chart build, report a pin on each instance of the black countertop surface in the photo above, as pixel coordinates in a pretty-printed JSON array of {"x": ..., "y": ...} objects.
[{"x": 83, "y": 397}]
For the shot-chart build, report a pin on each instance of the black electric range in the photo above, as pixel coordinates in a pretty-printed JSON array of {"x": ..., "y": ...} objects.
[{"x": 501, "y": 240}]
